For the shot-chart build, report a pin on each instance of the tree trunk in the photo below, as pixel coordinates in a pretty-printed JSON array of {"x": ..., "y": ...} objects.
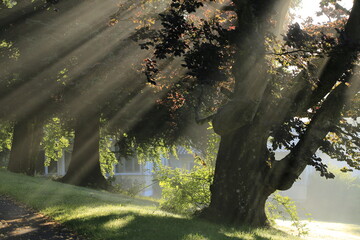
[
  {"x": 239, "y": 193},
  {"x": 25, "y": 146},
  {"x": 84, "y": 168}
]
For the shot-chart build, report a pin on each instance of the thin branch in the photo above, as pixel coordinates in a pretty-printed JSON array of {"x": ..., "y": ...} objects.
[
  {"x": 228, "y": 8},
  {"x": 227, "y": 92},
  {"x": 340, "y": 130},
  {"x": 338, "y": 6},
  {"x": 290, "y": 52}
]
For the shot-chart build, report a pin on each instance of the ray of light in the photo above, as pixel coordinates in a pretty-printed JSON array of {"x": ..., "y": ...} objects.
[
  {"x": 53, "y": 37},
  {"x": 88, "y": 53}
]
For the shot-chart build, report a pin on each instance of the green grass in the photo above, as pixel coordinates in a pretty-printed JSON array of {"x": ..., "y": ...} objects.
[
  {"x": 325, "y": 230},
  {"x": 103, "y": 215}
]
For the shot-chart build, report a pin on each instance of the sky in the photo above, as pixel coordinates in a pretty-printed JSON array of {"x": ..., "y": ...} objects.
[{"x": 310, "y": 7}]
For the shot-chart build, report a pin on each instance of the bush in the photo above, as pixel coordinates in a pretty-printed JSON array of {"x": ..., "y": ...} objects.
[{"x": 185, "y": 191}]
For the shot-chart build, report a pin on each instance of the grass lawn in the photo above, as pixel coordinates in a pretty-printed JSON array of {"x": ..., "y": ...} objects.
[
  {"x": 325, "y": 230},
  {"x": 103, "y": 215}
]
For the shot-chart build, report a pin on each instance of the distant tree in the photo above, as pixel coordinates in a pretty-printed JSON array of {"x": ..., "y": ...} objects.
[
  {"x": 37, "y": 86},
  {"x": 27, "y": 95}
]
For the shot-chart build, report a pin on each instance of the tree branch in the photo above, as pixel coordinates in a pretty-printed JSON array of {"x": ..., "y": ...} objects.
[
  {"x": 198, "y": 119},
  {"x": 228, "y": 8},
  {"x": 290, "y": 52},
  {"x": 340, "y": 130},
  {"x": 339, "y": 62},
  {"x": 285, "y": 172},
  {"x": 227, "y": 92},
  {"x": 338, "y": 6}
]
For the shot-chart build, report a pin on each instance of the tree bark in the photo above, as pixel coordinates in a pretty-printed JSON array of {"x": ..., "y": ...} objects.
[
  {"x": 25, "y": 146},
  {"x": 239, "y": 192},
  {"x": 84, "y": 168}
]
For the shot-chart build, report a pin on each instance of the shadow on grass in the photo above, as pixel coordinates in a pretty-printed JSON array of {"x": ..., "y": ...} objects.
[
  {"x": 132, "y": 226},
  {"x": 100, "y": 215}
]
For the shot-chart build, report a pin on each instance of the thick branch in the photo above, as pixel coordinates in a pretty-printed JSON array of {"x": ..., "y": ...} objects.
[{"x": 285, "y": 172}]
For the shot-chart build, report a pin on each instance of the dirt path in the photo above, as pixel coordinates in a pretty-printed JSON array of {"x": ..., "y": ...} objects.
[{"x": 20, "y": 223}]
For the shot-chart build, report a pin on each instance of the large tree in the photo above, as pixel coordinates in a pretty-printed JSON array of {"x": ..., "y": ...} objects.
[
  {"x": 101, "y": 92},
  {"x": 295, "y": 111}
]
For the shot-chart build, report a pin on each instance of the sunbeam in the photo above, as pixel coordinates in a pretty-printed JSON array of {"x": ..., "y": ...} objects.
[{"x": 90, "y": 83}]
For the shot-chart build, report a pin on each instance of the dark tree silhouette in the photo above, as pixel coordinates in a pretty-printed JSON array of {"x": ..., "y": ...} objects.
[{"x": 257, "y": 111}]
